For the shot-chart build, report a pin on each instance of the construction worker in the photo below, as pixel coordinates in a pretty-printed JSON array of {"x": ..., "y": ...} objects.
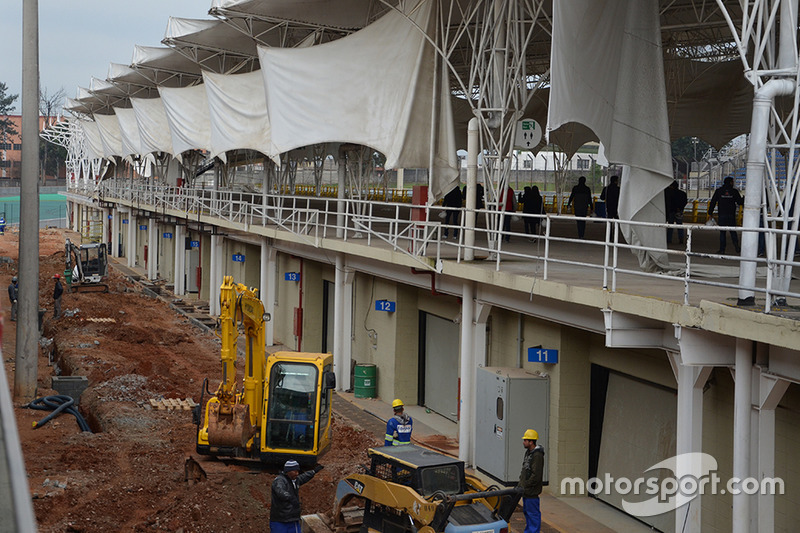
[
  {"x": 530, "y": 480},
  {"x": 58, "y": 290},
  {"x": 398, "y": 428},
  {"x": 284, "y": 516},
  {"x": 13, "y": 294}
]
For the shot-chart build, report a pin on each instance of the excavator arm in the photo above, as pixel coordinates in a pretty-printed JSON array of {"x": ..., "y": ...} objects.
[{"x": 229, "y": 419}]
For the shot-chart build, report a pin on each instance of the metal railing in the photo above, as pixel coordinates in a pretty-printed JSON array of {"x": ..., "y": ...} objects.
[{"x": 394, "y": 225}]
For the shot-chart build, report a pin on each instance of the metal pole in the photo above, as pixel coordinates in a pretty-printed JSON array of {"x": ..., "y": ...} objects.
[{"x": 27, "y": 355}]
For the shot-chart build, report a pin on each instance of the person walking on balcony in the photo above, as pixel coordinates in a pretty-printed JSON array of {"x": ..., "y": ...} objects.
[
  {"x": 13, "y": 294},
  {"x": 610, "y": 195},
  {"x": 530, "y": 481},
  {"x": 399, "y": 427},
  {"x": 729, "y": 200},
  {"x": 510, "y": 205},
  {"x": 452, "y": 200},
  {"x": 532, "y": 205},
  {"x": 58, "y": 290},
  {"x": 581, "y": 200},
  {"x": 675, "y": 201}
]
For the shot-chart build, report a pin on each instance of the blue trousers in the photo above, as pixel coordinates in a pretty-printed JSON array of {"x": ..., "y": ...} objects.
[
  {"x": 285, "y": 527},
  {"x": 533, "y": 515}
]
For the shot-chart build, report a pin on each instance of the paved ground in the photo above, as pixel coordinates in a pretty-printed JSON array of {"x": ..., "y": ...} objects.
[{"x": 557, "y": 515}]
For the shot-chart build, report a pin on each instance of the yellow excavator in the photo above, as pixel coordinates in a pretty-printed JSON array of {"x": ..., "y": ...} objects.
[{"x": 282, "y": 410}]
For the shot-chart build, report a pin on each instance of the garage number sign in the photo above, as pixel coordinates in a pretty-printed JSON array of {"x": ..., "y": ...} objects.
[
  {"x": 238, "y": 258},
  {"x": 385, "y": 305},
  {"x": 291, "y": 276},
  {"x": 542, "y": 355}
]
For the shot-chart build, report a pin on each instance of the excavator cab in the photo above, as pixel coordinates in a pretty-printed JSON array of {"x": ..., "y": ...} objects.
[{"x": 88, "y": 264}]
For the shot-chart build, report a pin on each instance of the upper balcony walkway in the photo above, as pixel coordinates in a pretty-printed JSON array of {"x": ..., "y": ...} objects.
[{"x": 599, "y": 271}]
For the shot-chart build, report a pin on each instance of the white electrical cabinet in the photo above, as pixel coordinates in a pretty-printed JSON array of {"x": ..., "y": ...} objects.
[{"x": 509, "y": 400}]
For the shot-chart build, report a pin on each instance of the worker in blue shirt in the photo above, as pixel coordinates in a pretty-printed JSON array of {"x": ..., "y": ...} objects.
[{"x": 398, "y": 428}]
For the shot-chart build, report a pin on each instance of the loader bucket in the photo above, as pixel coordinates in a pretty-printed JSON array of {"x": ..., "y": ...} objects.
[{"x": 229, "y": 425}]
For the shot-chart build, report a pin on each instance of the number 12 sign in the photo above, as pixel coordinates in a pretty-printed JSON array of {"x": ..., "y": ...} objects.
[{"x": 385, "y": 305}]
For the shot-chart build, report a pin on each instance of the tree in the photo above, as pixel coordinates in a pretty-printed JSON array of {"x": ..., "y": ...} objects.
[
  {"x": 687, "y": 150},
  {"x": 49, "y": 106},
  {"x": 57, "y": 157},
  {"x": 7, "y": 129}
]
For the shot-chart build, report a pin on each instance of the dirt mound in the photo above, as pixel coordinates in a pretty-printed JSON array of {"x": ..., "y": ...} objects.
[{"x": 129, "y": 475}]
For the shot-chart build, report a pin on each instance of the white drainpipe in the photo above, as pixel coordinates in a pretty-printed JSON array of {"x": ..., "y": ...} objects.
[
  {"x": 757, "y": 155},
  {"x": 472, "y": 192},
  {"x": 756, "y": 163}
]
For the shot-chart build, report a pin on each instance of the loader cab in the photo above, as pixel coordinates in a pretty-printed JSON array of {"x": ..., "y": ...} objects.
[{"x": 423, "y": 470}]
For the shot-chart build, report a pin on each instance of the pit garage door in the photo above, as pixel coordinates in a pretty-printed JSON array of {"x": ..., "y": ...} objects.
[
  {"x": 439, "y": 353},
  {"x": 639, "y": 421}
]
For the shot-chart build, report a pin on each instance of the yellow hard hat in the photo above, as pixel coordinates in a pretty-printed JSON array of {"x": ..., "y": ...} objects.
[
  {"x": 530, "y": 435},
  {"x": 397, "y": 403}
]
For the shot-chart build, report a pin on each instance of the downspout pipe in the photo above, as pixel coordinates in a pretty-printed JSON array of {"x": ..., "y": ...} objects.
[
  {"x": 756, "y": 164},
  {"x": 472, "y": 190}
]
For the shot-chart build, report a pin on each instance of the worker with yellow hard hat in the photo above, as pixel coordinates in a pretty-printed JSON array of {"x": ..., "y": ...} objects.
[
  {"x": 530, "y": 480},
  {"x": 398, "y": 428}
]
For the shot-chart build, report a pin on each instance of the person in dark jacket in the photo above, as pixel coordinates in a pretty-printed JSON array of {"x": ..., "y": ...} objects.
[
  {"x": 581, "y": 200},
  {"x": 453, "y": 201},
  {"x": 284, "y": 514},
  {"x": 675, "y": 201},
  {"x": 728, "y": 199},
  {"x": 610, "y": 195},
  {"x": 530, "y": 481},
  {"x": 58, "y": 290},
  {"x": 532, "y": 204},
  {"x": 510, "y": 206},
  {"x": 13, "y": 294}
]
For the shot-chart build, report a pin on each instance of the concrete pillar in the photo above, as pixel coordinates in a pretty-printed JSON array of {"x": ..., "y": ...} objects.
[
  {"x": 481, "y": 317},
  {"x": 468, "y": 366},
  {"x": 106, "y": 225},
  {"x": 343, "y": 322},
  {"x": 180, "y": 260},
  {"x": 267, "y": 287},
  {"x": 347, "y": 327},
  {"x": 741, "y": 432},
  {"x": 115, "y": 216},
  {"x": 691, "y": 380},
  {"x": 338, "y": 311},
  {"x": 131, "y": 247},
  {"x": 215, "y": 277},
  {"x": 768, "y": 390},
  {"x": 152, "y": 249}
]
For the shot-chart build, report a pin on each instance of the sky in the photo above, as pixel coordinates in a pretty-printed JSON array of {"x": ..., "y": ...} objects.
[{"x": 79, "y": 38}]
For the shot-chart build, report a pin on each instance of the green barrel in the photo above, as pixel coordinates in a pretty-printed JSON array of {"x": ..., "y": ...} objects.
[{"x": 365, "y": 380}]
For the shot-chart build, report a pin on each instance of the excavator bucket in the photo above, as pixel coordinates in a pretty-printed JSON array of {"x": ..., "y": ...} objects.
[{"x": 229, "y": 425}]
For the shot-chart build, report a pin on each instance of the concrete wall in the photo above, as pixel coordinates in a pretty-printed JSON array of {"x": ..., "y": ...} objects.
[
  {"x": 166, "y": 253},
  {"x": 287, "y": 299}
]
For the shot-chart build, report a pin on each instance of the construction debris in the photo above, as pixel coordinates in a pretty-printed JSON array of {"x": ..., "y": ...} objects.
[{"x": 171, "y": 404}]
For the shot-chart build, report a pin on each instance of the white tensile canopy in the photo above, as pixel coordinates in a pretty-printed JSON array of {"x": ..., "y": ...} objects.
[
  {"x": 386, "y": 100},
  {"x": 375, "y": 81},
  {"x": 238, "y": 113}
]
